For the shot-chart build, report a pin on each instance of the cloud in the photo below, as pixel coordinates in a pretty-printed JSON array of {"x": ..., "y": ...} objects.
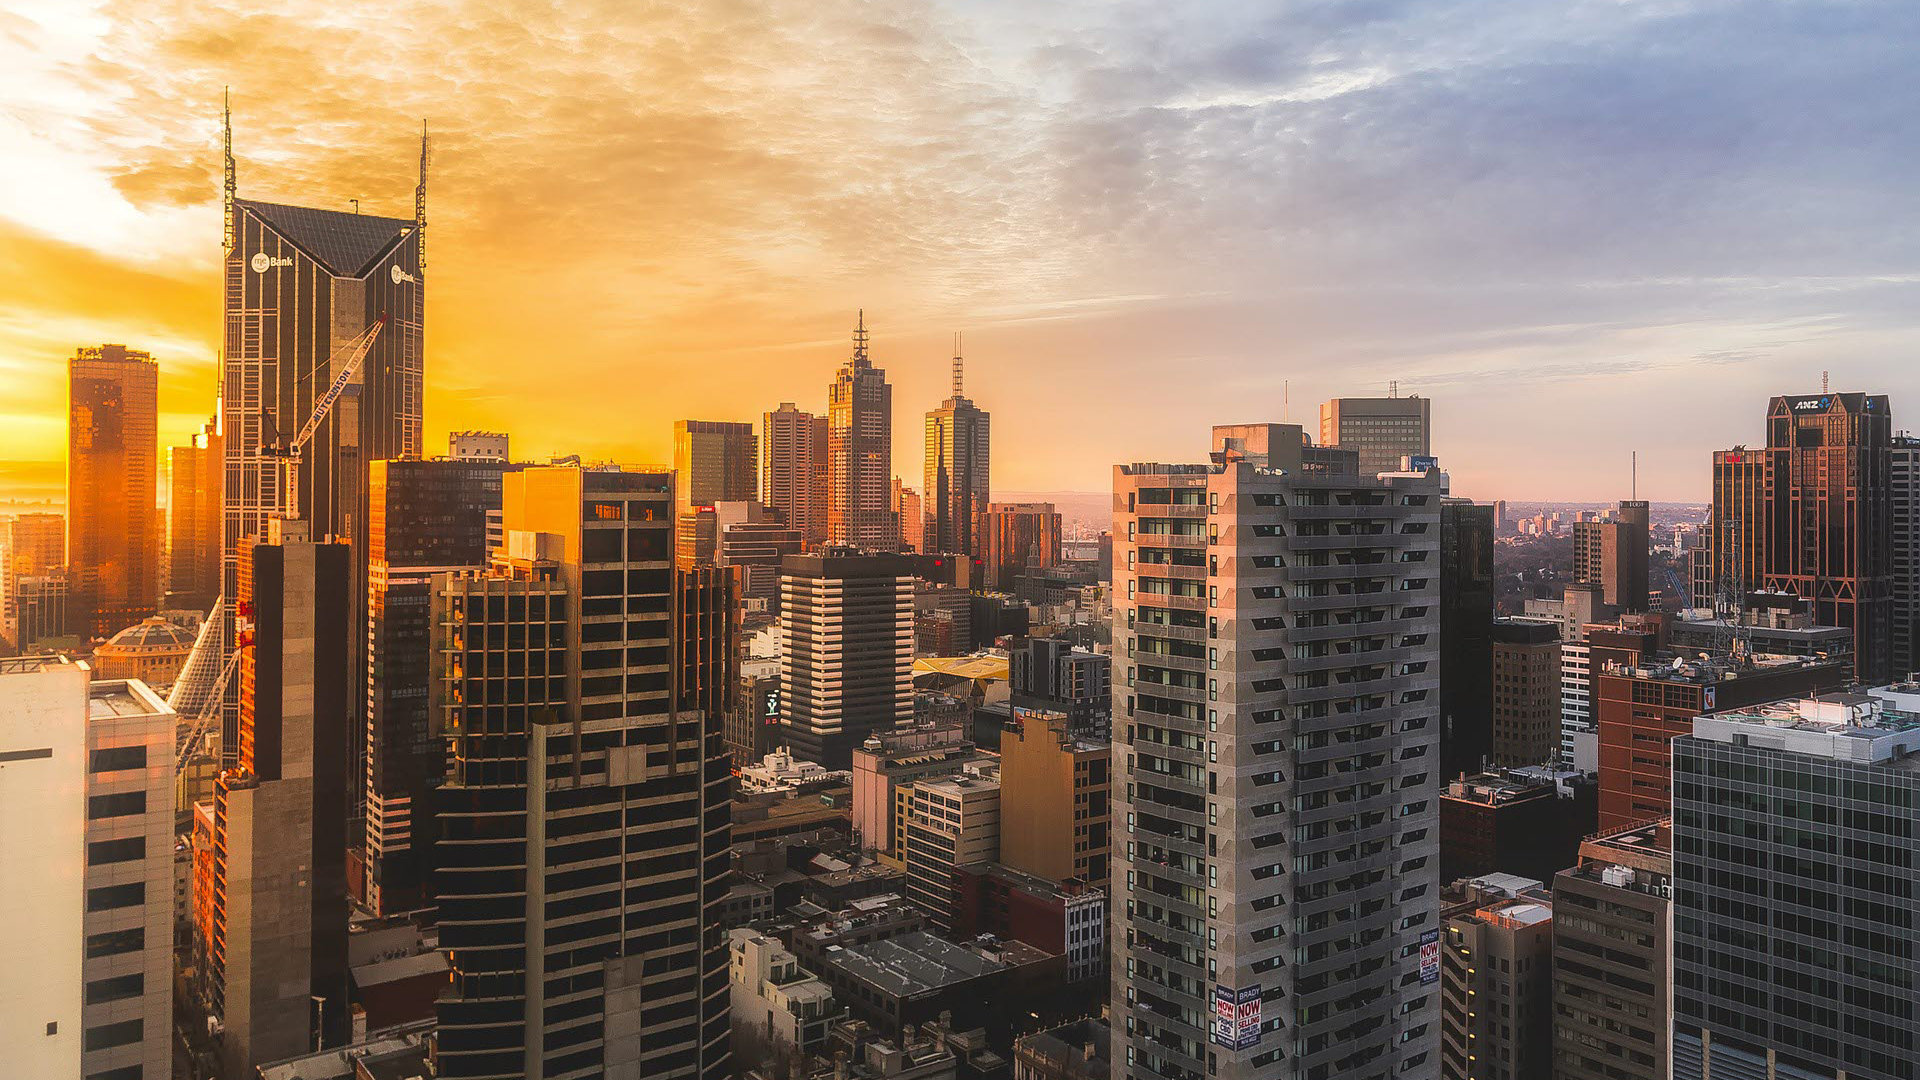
[{"x": 1145, "y": 216}]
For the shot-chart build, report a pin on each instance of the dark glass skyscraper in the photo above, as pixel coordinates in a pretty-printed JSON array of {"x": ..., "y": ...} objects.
[
  {"x": 424, "y": 518},
  {"x": 1812, "y": 515},
  {"x": 959, "y": 434},
  {"x": 585, "y": 817}
]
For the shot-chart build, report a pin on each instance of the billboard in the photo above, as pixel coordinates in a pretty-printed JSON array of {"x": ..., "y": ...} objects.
[
  {"x": 1422, "y": 462},
  {"x": 1429, "y": 957},
  {"x": 1236, "y": 1016}
]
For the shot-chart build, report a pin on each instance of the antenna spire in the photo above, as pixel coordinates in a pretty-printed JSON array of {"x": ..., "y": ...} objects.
[
  {"x": 958, "y": 365},
  {"x": 1823, "y": 382},
  {"x": 860, "y": 340},
  {"x": 420, "y": 205},
  {"x": 229, "y": 185}
]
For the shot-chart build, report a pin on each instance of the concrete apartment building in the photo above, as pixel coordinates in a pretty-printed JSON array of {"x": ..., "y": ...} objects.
[
  {"x": 1612, "y": 948},
  {"x": 1793, "y": 886},
  {"x": 1275, "y": 765},
  {"x": 1496, "y": 990}
]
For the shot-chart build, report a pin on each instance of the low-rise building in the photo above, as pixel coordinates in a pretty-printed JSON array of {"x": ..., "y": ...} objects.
[
  {"x": 1612, "y": 946},
  {"x": 778, "y": 1006},
  {"x": 1496, "y": 981}
]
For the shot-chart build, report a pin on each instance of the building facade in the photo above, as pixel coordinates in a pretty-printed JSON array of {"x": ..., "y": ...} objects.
[
  {"x": 714, "y": 461},
  {"x": 1380, "y": 430},
  {"x": 1057, "y": 784},
  {"x": 44, "y": 813},
  {"x": 1904, "y": 484},
  {"x": 860, "y": 453},
  {"x": 1526, "y": 692},
  {"x": 1466, "y": 636},
  {"x": 1612, "y": 944},
  {"x": 1792, "y": 884},
  {"x": 1055, "y": 675},
  {"x": 1275, "y": 753},
  {"x": 1812, "y": 514},
  {"x": 35, "y": 547},
  {"x": 958, "y": 464},
  {"x": 194, "y": 478},
  {"x": 952, "y": 821},
  {"x": 423, "y": 518},
  {"x": 793, "y": 469},
  {"x": 300, "y": 285},
  {"x": 279, "y": 948},
  {"x": 846, "y": 652},
  {"x": 1015, "y": 538},
  {"x": 113, "y": 457},
  {"x": 1613, "y": 555},
  {"x": 1496, "y": 989},
  {"x": 558, "y": 683}
]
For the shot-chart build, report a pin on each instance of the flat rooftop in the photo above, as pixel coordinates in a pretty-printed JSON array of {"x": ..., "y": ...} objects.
[
  {"x": 919, "y": 963},
  {"x": 1878, "y": 726}
]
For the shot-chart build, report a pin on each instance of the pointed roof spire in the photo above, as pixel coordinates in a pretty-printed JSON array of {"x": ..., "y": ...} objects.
[
  {"x": 860, "y": 340},
  {"x": 420, "y": 205},
  {"x": 229, "y": 188},
  {"x": 959, "y": 366}
]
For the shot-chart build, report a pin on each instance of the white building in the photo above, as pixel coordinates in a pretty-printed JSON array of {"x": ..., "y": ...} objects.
[
  {"x": 128, "y": 1012},
  {"x": 43, "y": 807},
  {"x": 1579, "y": 735},
  {"x": 781, "y": 771},
  {"x": 776, "y": 1003}
]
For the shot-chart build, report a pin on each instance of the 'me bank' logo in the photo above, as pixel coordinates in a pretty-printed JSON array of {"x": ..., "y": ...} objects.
[
  {"x": 263, "y": 262},
  {"x": 398, "y": 275}
]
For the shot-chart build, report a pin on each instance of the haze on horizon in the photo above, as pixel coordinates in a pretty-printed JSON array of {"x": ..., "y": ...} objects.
[{"x": 1582, "y": 229}]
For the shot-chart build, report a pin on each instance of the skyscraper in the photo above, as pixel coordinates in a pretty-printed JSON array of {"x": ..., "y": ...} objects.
[
  {"x": 1905, "y": 555},
  {"x": 1380, "y": 430},
  {"x": 1275, "y": 765},
  {"x": 957, "y": 469},
  {"x": 846, "y": 651},
  {"x": 1613, "y": 555},
  {"x": 194, "y": 521},
  {"x": 793, "y": 469},
  {"x": 1812, "y": 515},
  {"x": 1017, "y": 537},
  {"x": 1793, "y": 886},
  {"x": 1466, "y": 636},
  {"x": 584, "y": 825},
  {"x": 35, "y": 546},
  {"x": 1526, "y": 692},
  {"x": 423, "y": 518},
  {"x": 714, "y": 462},
  {"x": 860, "y": 452},
  {"x": 301, "y": 284},
  {"x": 280, "y": 814},
  {"x": 113, "y": 520},
  {"x": 910, "y": 510}
]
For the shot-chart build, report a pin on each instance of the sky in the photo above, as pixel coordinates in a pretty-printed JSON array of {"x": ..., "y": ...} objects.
[{"x": 1582, "y": 227}]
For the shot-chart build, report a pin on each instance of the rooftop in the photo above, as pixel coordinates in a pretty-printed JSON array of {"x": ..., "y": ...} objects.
[
  {"x": 919, "y": 963},
  {"x": 345, "y": 244},
  {"x": 1878, "y": 726},
  {"x": 123, "y": 697},
  {"x": 1498, "y": 789}
]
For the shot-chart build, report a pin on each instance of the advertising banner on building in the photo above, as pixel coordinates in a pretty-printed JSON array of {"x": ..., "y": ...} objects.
[
  {"x": 1236, "y": 1016},
  {"x": 1429, "y": 957}
]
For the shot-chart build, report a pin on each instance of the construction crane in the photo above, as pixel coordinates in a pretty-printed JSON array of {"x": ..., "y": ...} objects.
[
  {"x": 345, "y": 363},
  {"x": 209, "y": 711}
]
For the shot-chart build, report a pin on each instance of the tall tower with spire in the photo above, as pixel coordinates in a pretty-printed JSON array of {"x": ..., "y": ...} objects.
[
  {"x": 860, "y": 452},
  {"x": 956, "y": 468}
]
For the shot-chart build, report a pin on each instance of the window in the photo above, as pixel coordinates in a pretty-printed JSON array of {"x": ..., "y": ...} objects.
[
  {"x": 109, "y": 897},
  {"x": 102, "y": 852},
  {"x": 107, "y": 1036},
  {"x": 115, "y": 942},
  {"x": 123, "y": 804},
  {"x": 117, "y": 988},
  {"x": 117, "y": 758}
]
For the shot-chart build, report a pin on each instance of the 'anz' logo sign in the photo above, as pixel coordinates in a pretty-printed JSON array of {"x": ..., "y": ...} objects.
[
  {"x": 398, "y": 275},
  {"x": 1807, "y": 404},
  {"x": 263, "y": 262}
]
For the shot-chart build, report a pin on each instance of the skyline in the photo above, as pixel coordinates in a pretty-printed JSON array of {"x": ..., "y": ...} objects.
[{"x": 1475, "y": 201}]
